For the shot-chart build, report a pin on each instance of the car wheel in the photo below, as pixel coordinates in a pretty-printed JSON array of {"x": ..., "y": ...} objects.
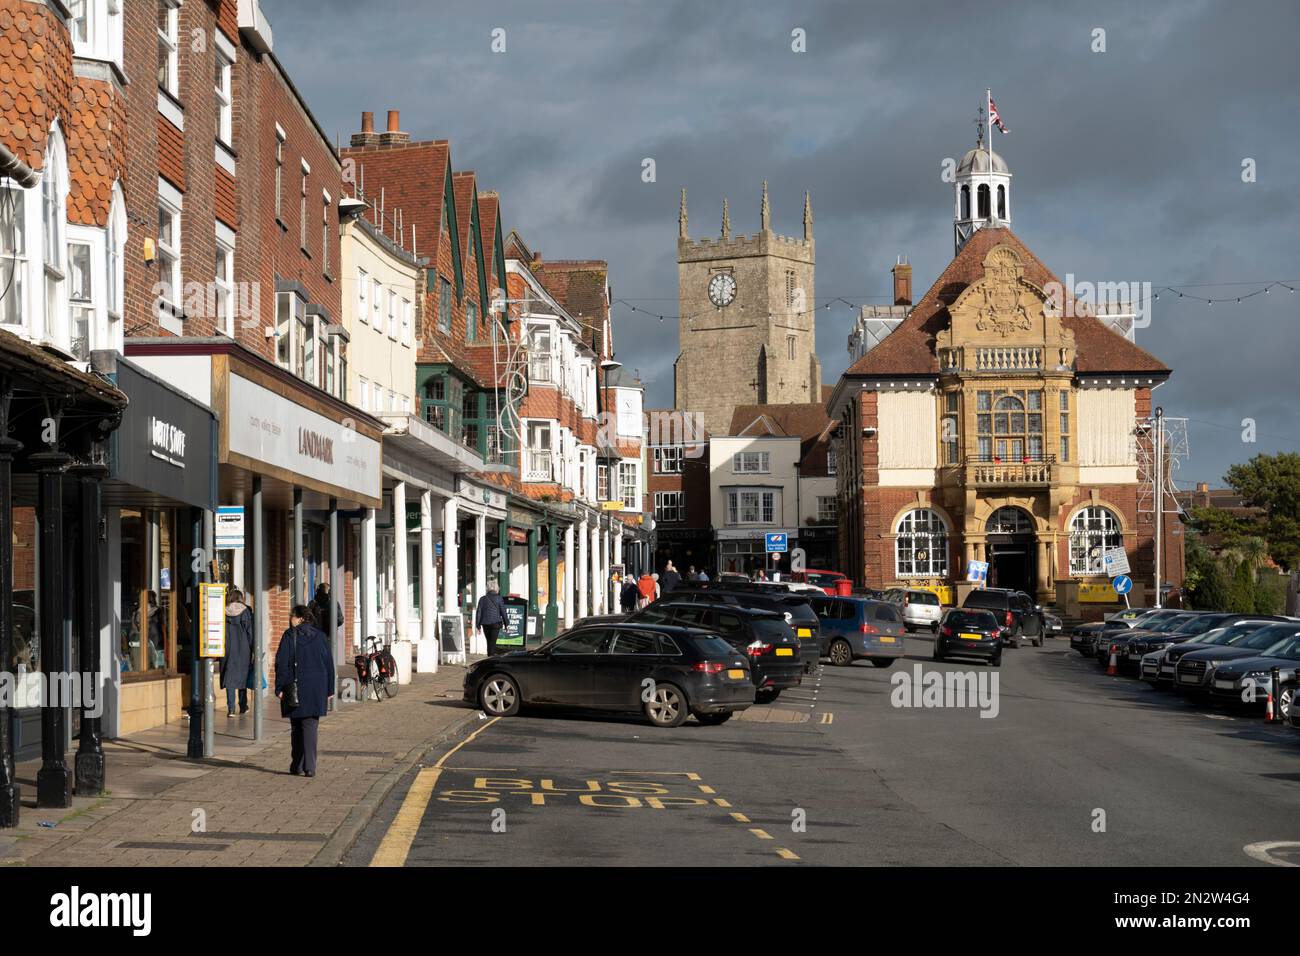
[
  {"x": 938, "y": 654},
  {"x": 841, "y": 654},
  {"x": 934, "y": 628},
  {"x": 1284, "y": 702},
  {"x": 995, "y": 661},
  {"x": 667, "y": 707},
  {"x": 766, "y": 696},
  {"x": 1015, "y": 638},
  {"x": 883, "y": 661},
  {"x": 498, "y": 695},
  {"x": 712, "y": 720}
]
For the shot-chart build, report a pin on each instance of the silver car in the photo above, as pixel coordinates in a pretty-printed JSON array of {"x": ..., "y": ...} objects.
[{"x": 921, "y": 609}]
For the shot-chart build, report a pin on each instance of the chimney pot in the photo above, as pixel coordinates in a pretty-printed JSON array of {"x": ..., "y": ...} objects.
[
  {"x": 394, "y": 121},
  {"x": 367, "y": 122},
  {"x": 902, "y": 284}
]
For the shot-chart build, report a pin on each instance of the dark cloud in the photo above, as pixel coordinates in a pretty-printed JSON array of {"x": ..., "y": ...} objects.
[{"x": 1127, "y": 163}]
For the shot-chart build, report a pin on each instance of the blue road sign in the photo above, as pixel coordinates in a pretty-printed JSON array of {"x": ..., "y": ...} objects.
[
  {"x": 437, "y": 549},
  {"x": 1123, "y": 584},
  {"x": 776, "y": 542},
  {"x": 977, "y": 571}
]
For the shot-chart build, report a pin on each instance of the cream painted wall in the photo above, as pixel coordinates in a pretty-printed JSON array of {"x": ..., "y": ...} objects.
[
  {"x": 1106, "y": 418},
  {"x": 783, "y": 456},
  {"x": 372, "y": 354},
  {"x": 909, "y": 435}
]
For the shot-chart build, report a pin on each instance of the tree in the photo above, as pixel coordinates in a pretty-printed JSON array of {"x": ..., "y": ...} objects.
[
  {"x": 1241, "y": 596},
  {"x": 1210, "y": 593}
]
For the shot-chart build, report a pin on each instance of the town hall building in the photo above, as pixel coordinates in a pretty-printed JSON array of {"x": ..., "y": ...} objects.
[{"x": 988, "y": 422}]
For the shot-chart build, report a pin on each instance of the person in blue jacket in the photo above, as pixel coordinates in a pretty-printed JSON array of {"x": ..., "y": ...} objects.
[
  {"x": 490, "y": 615},
  {"x": 304, "y": 653}
]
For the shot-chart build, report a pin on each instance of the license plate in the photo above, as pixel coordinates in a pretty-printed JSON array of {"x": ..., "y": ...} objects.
[
  {"x": 889, "y": 640},
  {"x": 1188, "y": 679},
  {"x": 805, "y": 632},
  {"x": 736, "y": 673},
  {"x": 1166, "y": 670},
  {"x": 971, "y": 637},
  {"x": 784, "y": 652},
  {"x": 1224, "y": 684}
]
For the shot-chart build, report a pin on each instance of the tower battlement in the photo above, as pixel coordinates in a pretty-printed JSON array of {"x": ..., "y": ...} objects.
[{"x": 759, "y": 244}]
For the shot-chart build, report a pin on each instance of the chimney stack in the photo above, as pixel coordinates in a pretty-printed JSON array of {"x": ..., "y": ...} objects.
[
  {"x": 902, "y": 283},
  {"x": 394, "y": 134},
  {"x": 367, "y": 135}
]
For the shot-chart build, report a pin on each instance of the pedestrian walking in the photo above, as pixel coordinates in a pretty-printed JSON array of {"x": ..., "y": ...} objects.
[
  {"x": 304, "y": 682},
  {"x": 659, "y": 591},
  {"x": 703, "y": 576},
  {"x": 490, "y": 615},
  {"x": 670, "y": 578},
  {"x": 320, "y": 605},
  {"x": 628, "y": 596},
  {"x": 237, "y": 665},
  {"x": 646, "y": 587}
]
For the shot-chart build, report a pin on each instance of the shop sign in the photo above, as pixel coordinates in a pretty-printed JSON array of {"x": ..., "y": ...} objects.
[
  {"x": 229, "y": 528},
  {"x": 212, "y": 620},
  {"x": 275, "y": 431}
]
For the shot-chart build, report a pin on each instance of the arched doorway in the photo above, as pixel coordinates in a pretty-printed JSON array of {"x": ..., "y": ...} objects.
[{"x": 1012, "y": 556}]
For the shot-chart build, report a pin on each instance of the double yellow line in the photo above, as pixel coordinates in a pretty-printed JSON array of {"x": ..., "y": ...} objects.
[{"x": 396, "y": 845}]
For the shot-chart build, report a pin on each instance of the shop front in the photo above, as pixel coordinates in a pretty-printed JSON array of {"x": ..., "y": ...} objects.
[
  {"x": 744, "y": 551},
  {"x": 161, "y": 477},
  {"x": 293, "y": 463}
]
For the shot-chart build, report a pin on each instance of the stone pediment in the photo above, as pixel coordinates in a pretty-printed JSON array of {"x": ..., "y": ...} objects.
[{"x": 1003, "y": 308}]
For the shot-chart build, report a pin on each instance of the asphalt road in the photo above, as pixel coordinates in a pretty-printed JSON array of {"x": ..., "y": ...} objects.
[{"x": 1075, "y": 768}]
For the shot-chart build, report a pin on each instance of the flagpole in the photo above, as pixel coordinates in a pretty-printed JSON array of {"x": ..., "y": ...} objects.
[{"x": 988, "y": 143}]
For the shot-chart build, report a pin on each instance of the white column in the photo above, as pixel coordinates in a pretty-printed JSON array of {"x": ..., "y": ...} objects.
[
  {"x": 450, "y": 558},
  {"x": 605, "y": 537},
  {"x": 427, "y": 656},
  {"x": 618, "y": 544},
  {"x": 369, "y": 614},
  {"x": 401, "y": 571},
  {"x": 480, "y": 573},
  {"x": 595, "y": 570},
  {"x": 568, "y": 575},
  {"x": 581, "y": 569}
]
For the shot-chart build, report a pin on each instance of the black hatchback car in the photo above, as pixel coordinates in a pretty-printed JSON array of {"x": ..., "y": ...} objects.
[
  {"x": 1016, "y": 612},
  {"x": 763, "y": 636},
  {"x": 804, "y": 620},
  {"x": 665, "y": 673},
  {"x": 969, "y": 632}
]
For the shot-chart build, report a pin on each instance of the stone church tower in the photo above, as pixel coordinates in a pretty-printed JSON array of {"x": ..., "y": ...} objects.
[{"x": 747, "y": 331}]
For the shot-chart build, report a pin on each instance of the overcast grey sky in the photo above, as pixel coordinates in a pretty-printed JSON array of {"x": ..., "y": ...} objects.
[{"x": 1127, "y": 163}]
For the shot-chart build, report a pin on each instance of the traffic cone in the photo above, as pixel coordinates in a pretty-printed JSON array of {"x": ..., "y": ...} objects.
[
  {"x": 1113, "y": 667},
  {"x": 1269, "y": 715}
]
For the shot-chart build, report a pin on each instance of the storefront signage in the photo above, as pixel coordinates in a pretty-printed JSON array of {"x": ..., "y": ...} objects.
[
  {"x": 168, "y": 442},
  {"x": 479, "y": 494},
  {"x": 229, "y": 528},
  {"x": 1097, "y": 593},
  {"x": 212, "y": 620},
  {"x": 272, "y": 430}
]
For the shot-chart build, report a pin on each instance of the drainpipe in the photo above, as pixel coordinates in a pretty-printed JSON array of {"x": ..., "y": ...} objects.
[{"x": 14, "y": 168}]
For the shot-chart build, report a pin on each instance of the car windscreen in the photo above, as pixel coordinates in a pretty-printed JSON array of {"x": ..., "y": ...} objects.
[
  {"x": 1233, "y": 635},
  {"x": 772, "y": 628},
  {"x": 1195, "y": 625},
  {"x": 1266, "y": 637},
  {"x": 712, "y": 647},
  {"x": 1166, "y": 626},
  {"x": 983, "y": 620},
  {"x": 823, "y": 579},
  {"x": 985, "y": 599},
  {"x": 924, "y": 597}
]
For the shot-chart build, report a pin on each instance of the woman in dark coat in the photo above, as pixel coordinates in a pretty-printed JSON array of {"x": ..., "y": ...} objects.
[
  {"x": 237, "y": 665},
  {"x": 305, "y": 653}
]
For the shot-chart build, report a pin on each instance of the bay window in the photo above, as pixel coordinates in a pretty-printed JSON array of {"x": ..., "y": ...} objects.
[
  {"x": 81, "y": 301},
  {"x": 13, "y": 252},
  {"x": 629, "y": 488},
  {"x": 290, "y": 332},
  {"x": 751, "y": 463},
  {"x": 54, "y": 200},
  {"x": 745, "y": 506},
  {"x": 539, "y": 466}
]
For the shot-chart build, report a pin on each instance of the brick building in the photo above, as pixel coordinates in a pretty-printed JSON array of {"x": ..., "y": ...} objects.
[{"x": 995, "y": 423}]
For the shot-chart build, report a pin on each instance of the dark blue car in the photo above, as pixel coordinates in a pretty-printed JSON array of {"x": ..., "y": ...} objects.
[{"x": 854, "y": 629}]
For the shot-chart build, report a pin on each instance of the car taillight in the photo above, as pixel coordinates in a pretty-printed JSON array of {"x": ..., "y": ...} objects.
[
  {"x": 758, "y": 648},
  {"x": 707, "y": 667},
  {"x": 1010, "y": 619},
  {"x": 868, "y": 629},
  {"x": 946, "y": 631}
]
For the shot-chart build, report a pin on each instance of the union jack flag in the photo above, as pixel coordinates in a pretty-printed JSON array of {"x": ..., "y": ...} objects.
[{"x": 995, "y": 117}]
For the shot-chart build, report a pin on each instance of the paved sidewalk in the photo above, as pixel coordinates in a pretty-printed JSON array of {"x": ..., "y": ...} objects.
[{"x": 241, "y": 807}]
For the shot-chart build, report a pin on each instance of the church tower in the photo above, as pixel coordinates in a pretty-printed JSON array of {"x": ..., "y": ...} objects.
[
  {"x": 747, "y": 330},
  {"x": 982, "y": 192}
]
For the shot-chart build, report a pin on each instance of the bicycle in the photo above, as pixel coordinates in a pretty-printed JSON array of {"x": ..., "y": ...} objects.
[{"x": 377, "y": 669}]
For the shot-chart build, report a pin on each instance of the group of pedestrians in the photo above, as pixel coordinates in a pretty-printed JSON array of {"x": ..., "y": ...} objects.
[{"x": 651, "y": 586}]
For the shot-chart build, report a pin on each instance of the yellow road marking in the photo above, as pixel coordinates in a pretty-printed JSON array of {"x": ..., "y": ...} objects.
[
  {"x": 658, "y": 773},
  {"x": 761, "y": 834},
  {"x": 704, "y": 789},
  {"x": 785, "y": 854},
  {"x": 720, "y": 802},
  {"x": 828, "y": 718},
  {"x": 396, "y": 844},
  {"x": 740, "y": 818}
]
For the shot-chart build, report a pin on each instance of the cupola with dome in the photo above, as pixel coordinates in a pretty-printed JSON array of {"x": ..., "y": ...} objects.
[{"x": 982, "y": 175}]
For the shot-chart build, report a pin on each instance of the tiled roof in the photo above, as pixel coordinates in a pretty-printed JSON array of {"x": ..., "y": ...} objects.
[
  {"x": 489, "y": 211},
  {"x": 806, "y": 420},
  {"x": 463, "y": 185},
  {"x": 579, "y": 286},
  {"x": 35, "y": 79},
  {"x": 96, "y": 140},
  {"x": 412, "y": 176},
  {"x": 910, "y": 348}
]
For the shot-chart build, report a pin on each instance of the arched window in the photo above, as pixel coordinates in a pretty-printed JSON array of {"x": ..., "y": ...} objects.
[
  {"x": 965, "y": 202},
  {"x": 921, "y": 550},
  {"x": 1009, "y": 520},
  {"x": 1002, "y": 202},
  {"x": 984, "y": 200},
  {"x": 1009, "y": 425},
  {"x": 1093, "y": 531}
]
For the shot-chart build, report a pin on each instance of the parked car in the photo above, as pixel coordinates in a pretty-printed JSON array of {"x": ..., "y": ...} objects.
[
  {"x": 610, "y": 667},
  {"x": 921, "y": 609},
  {"x": 1234, "y": 681},
  {"x": 1158, "y": 667},
  {"x": 854, "y": 629},
  {"x": 1084, "y": 637},
  {"x": 1016, "y": 611},
  {"x": 1133, "y": 650},
  {"x": 1116, "y": 639},
  {"x": 970, "y": 632},
  {"x": 1052, "y": 625},
  {"x": 828, "y": 581},
  {"x": 1196, "y": 669},
  {"x": 764, "y": 636},
  {"x": 803, "y": 618}
]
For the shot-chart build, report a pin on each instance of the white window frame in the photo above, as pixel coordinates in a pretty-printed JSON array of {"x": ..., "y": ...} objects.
[
  {"x": 92, "y": 306},
  {"x": 407, "y": 313},
  {"x": 392, "y": 313},
  {"x": 302, "y": 208},
  {"x": 751, "y": 463},
  {"x": 377, "y": 303},
  {"x": 670, "y": 506},
  {"x": 541, "y": 355},
  {"x": 363, "y": 393},
  {"x": 539, "y": 451},
  {"x": 766, "y": 506},
  {"x": 280, "y": 139},
  {"x": 1093, "y": 528},
  {"x": 225, "y": 289},
  {"x": 170, "y": 39},
  {"x": 668, "y": 459},
  {"x": 326, "y": 203},
  {"x": 115, "y": 267},
  {"x": 629, "y": 492},
  {"x": 26, "y": 215},
  {"x": 363, "y": 293},
  {"x": 172, "y": 203},
  {"x": 224, "y": 87},
  {"x": 915, "y": 534},
  {"x": 54, "y": 242},
  {"x": 827, "y": 512}
]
